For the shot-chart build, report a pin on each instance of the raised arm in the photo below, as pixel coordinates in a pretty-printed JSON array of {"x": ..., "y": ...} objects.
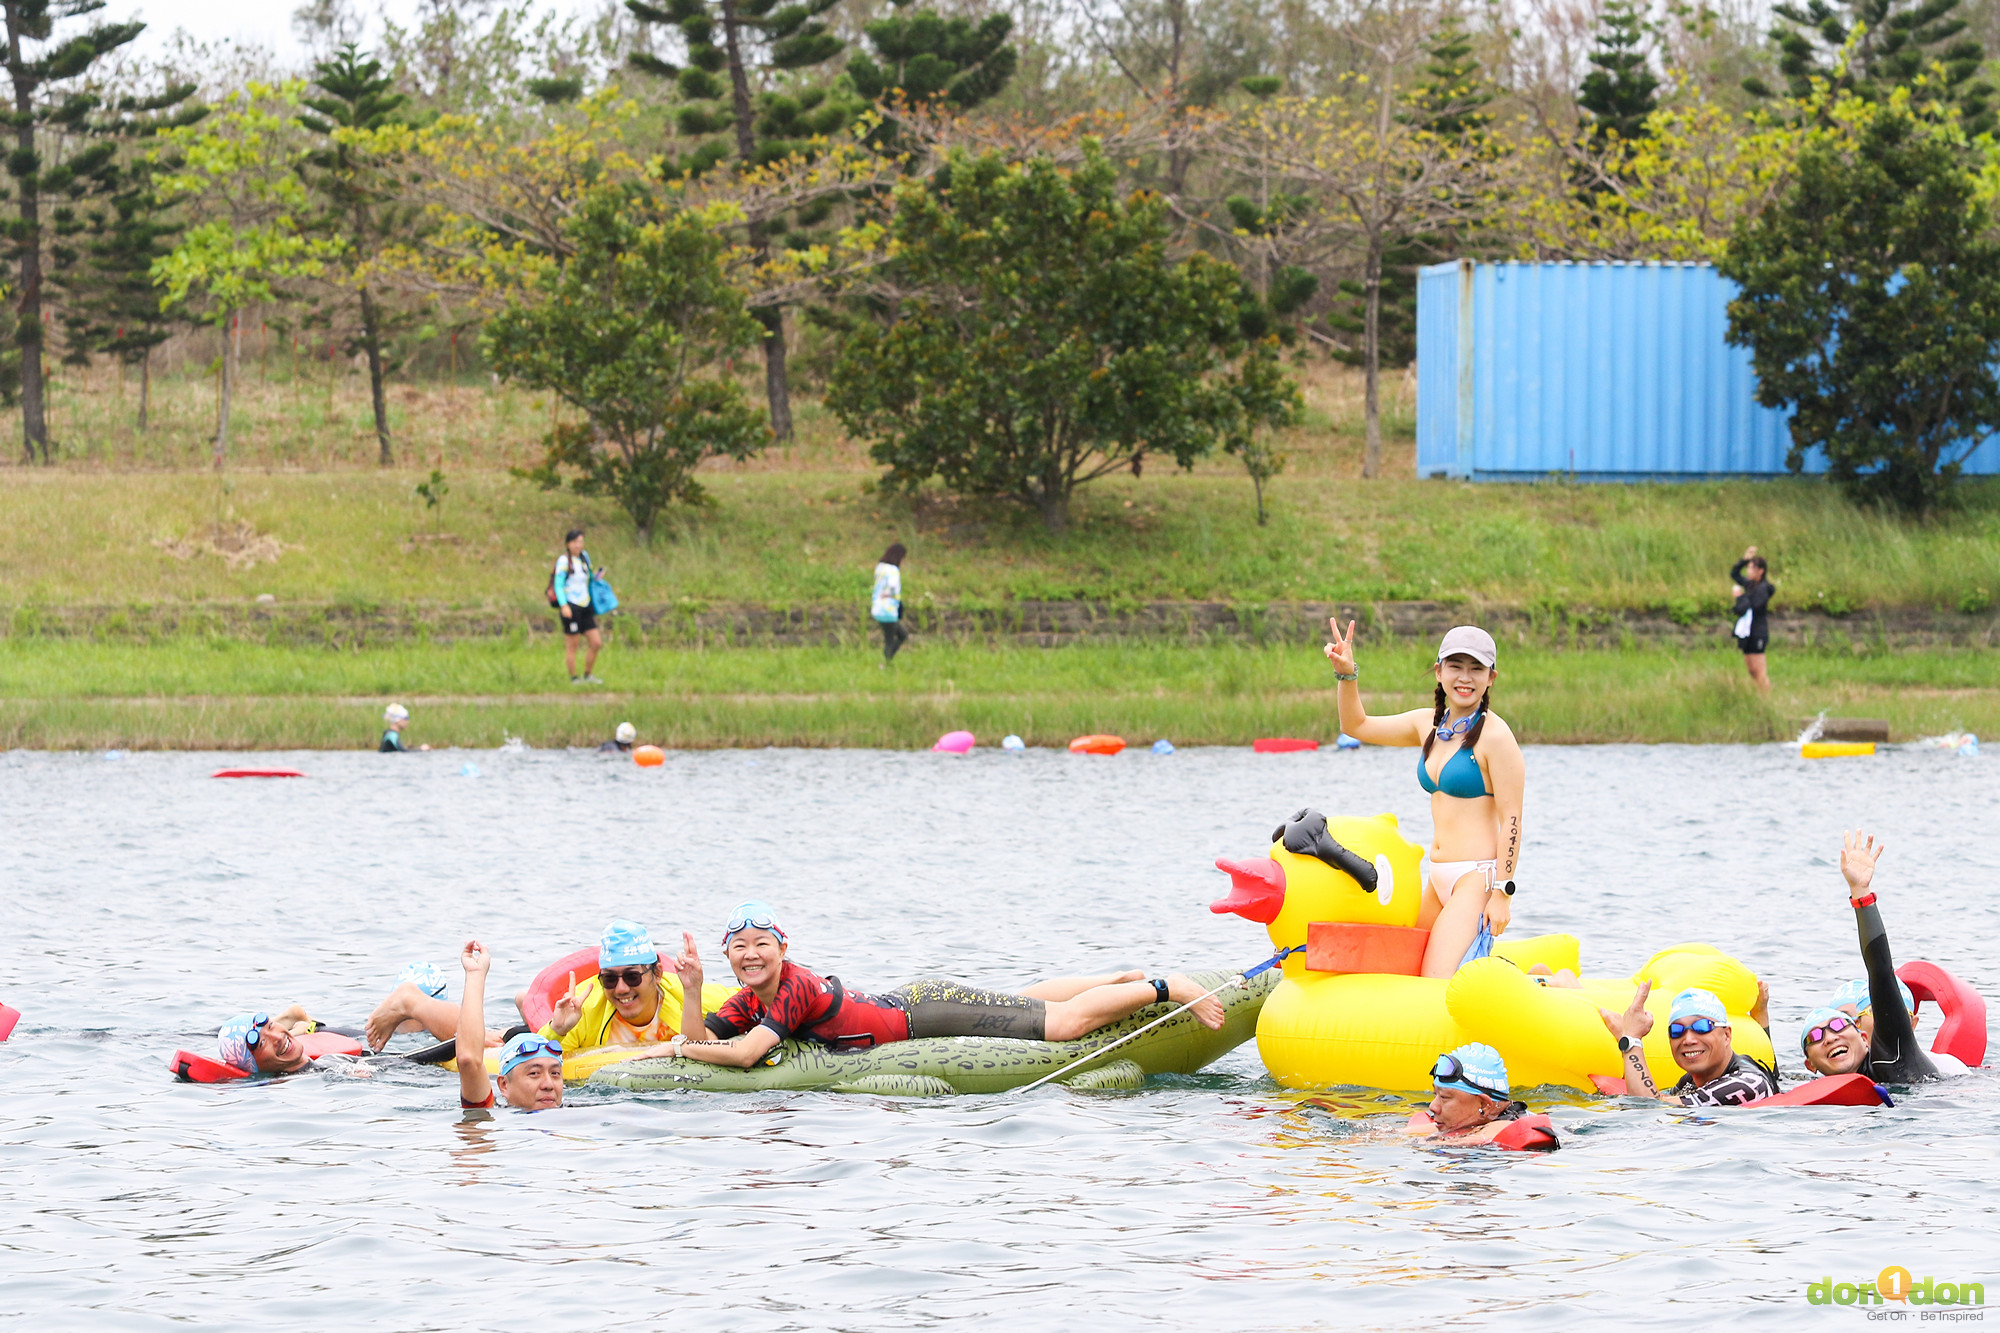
[
  {"x": 474, "y": 1088},
  {"x": 687, "y": 966},
  {"x": 1396, "y": 729},
  {"x": 1894, "y": 1055},
  {"x": 1635, "y": 1023}
]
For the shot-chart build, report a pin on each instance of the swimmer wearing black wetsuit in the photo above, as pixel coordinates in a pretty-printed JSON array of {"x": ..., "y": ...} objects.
[{"x": 1894, "y": 1055}]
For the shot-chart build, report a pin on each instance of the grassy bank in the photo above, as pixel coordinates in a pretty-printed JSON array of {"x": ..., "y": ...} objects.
[
  {"x": 223, "y": 694},
  {"x": 802, "y": 537}
]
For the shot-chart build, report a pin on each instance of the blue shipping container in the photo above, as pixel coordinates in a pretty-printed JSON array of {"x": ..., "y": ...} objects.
[{"x": 1603, "y": 372}]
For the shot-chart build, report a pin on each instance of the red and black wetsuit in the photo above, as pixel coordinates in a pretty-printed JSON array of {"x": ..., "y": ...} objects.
[{"x": 814, "y": 1008}]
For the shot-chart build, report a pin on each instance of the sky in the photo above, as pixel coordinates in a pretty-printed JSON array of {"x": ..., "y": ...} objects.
[{"x": 268, "y": 22}]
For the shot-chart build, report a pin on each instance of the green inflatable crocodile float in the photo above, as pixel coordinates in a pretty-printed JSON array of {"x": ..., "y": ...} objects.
[{"x": 935, "y": 1066}]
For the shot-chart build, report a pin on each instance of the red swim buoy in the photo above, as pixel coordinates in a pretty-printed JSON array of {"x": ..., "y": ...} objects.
[
  {"x": 192, "y": 1068},
  {"x": 1833, "y": 1090},
  {"x": 8, "y": 1018},
  {"x": 538, "y": 1004},
  {"x": 256, "y": 773},
  {"x": 1528, "y": 1133},
  {"x": 1282, "y": 745},
  {"x": 1963, "y": 1033},
  {"x": 1098, "y": 744}
]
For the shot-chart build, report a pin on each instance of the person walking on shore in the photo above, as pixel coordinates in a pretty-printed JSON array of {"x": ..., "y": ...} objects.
[
  {"x": 570, "y": 586},
  {"x": 1471, "y": 766},
  {"x": 886, "y": 604},
  {"x": 1750, "y": 585}
]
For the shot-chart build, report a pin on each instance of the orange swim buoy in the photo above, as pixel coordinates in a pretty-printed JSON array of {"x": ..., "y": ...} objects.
[
  {"x": 1097, "y": 744},
  {"x": 649, "y": 756}
]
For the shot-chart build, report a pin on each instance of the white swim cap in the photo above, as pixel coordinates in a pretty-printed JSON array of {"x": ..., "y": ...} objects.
[
  {"x": 395, "y": 713},
  {"x": 627, "y": 733}
]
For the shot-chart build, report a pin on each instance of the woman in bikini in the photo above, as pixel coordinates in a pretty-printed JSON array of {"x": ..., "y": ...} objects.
[{"x": 1472, "y": 767}]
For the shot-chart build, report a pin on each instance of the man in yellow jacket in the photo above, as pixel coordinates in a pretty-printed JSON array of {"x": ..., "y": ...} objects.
[{"x": 632, "y": 1001}]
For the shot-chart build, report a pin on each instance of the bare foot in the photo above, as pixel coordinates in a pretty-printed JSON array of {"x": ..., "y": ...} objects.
[
  {"x": 390, "y": 1015},
  {"x": 1210, "y": 1011}
]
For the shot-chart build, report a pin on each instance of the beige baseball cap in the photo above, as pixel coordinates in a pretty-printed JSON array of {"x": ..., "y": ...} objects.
[{"x": 1470, "y": 640}]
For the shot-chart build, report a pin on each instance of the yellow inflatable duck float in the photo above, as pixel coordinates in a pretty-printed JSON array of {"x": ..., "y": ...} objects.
[{"x": 1352, "y": 1011}]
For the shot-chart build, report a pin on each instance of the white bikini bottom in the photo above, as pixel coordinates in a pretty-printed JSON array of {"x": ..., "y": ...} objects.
[{"x": 1445, "y": 875}]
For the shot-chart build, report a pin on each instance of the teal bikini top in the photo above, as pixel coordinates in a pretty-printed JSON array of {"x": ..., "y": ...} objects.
[{"x": 1460, "y": 776}]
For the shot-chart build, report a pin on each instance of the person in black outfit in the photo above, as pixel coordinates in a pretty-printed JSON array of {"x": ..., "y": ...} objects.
[
  {"x": 1752, "y": 588},
  {"x": 1891, "y": 1054}
]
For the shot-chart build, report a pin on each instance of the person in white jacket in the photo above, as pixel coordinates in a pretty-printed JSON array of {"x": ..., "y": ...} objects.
[{"x": 886, "y": 604}]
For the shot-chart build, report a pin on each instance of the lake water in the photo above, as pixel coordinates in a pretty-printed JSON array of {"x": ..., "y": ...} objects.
[{"x": 145, "y": 902}]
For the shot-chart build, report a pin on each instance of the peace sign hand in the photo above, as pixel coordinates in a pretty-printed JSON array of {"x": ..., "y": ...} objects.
[{"x": 1341, "y": 651}]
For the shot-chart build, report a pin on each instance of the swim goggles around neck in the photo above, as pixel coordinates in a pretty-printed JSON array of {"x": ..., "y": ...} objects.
[
  {"x": 1702, "y": 1026},
  {"x": 1449, "y": 1071},
  {"x": 1451, "y": 730}
]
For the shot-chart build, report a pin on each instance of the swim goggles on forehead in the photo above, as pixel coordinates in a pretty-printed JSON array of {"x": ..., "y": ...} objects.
[
  {"x": 754, "y": 921},
  {"x": 1703, "y": 1026},
  {"x": 1832, "y": 1027},
  {"x": 533, "y": 1049},
  {"x": 1450, "y": 1070}
]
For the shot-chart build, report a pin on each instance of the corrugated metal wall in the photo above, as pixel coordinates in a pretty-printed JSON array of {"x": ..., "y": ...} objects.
[{"x": 1612, "y": 372}]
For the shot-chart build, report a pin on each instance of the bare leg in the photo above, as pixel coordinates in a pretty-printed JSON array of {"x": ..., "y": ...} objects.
[
  {"x": 1068, "y": 988},
  {"x": 1758, "y": 673},
  {"x": 569, "y": 652},
  {"x": 1079, "y": 1017},
  {"x": 596, "y": 638},
  {"x": 1455, "y": 925},
  {"x": 407, "y": 1008}
]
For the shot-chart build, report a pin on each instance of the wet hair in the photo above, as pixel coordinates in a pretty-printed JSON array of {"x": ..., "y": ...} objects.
[
  {"x": 894, "y": 555},
  {"x": 572, "y": 535},
  {"x": 1437, "y": 720}
]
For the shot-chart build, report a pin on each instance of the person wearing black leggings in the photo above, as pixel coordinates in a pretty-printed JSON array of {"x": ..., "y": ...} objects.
[
  {"x": 1890, "y": 1053},
  {"x": 886, "y": 604}
]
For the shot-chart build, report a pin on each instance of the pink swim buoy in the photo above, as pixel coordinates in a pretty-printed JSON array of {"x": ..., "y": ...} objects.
[
  {"x": 8, "y": 1018},
  {"x": 953, "y": 742},
  {"x": 1282, "y": 745}
]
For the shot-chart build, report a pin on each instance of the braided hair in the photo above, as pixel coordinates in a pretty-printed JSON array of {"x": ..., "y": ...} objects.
[{"x": 1437, "y": 720}]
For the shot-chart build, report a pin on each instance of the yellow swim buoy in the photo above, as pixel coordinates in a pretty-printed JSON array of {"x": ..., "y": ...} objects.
[{"x": 1835, "y": 749}]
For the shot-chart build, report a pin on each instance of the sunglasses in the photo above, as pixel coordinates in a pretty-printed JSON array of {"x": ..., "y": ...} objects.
[
  {"x": 633, "y": 977},
  {"x": 1703, "y": 1026},
  {"x": 1449, "y": 1069},
  {"x": 1831, "y": 1028}
]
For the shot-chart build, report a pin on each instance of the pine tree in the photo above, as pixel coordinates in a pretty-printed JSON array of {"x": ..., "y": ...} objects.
[
  {"x": 1900, "y": 42},
  {"x": 48, "y": 109},
  {"x": 926, "y": 58},
  {"x": 359, "y": 195},
  {"x": 730, "y": 42},
  {"x": 1454, "y": 100},
  {"x": 1622, "y": 90},
  {"x": 114, "y": 307}
]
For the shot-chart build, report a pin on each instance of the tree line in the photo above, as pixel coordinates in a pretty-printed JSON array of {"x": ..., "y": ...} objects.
[{"x": 1034, "y": 247}]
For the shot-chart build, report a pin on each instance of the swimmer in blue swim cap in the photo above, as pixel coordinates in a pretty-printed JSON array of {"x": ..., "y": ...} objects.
[
  {"x": 530, "y": 1063},
  {"x": 1880, "y": 1004},
  {"x": 1470, "y": 1083}
]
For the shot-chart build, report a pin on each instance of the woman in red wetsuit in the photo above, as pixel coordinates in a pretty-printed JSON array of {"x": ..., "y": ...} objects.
[{"x": 782, "y": 1000}]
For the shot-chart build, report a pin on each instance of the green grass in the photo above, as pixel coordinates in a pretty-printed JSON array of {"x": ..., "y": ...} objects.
[
  {"x": 228, "y": 694},
  {"x": 790, "y": 538}
]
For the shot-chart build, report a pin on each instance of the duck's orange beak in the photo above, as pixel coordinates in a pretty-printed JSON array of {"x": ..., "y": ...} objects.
[{"x": 1256, "y": 889}]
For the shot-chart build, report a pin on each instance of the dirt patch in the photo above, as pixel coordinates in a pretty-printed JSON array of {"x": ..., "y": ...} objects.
[{"x": 238, "y": 545}]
